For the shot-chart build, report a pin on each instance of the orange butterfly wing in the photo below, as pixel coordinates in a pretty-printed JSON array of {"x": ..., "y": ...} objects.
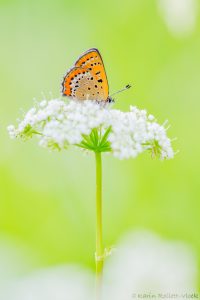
[{"x": 87, "y": 79}]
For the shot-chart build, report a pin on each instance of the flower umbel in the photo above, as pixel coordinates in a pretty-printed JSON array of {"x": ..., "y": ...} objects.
[{"x": 95, "y": 127}]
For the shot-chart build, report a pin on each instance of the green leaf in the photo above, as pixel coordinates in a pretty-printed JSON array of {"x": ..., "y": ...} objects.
[
  {"x": 28, "y": 132},
  {"x": 95, "y": 141},
  {"x": 88, "y": 146},
  {"x": 154, "y": 148},
  {"x": 87, "y": 139},
  {"x": 105, "y": 136},
  {"x": 95, "y": 137}
]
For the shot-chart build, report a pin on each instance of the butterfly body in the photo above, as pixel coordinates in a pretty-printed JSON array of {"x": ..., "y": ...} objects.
[{"x": 87, "y": 80}]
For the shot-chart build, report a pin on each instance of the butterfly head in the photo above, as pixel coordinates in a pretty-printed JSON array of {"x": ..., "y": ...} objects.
[{"x": 110, "y": 100}]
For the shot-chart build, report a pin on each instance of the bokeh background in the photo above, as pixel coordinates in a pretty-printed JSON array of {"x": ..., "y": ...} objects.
[{"x": 47, "y": 200}]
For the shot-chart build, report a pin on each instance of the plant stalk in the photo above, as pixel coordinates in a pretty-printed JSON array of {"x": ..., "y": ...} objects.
[{"x": 99, "y": 238}]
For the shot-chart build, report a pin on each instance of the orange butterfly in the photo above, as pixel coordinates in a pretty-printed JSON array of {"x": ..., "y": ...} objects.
[{"x": 87, "y": 79}]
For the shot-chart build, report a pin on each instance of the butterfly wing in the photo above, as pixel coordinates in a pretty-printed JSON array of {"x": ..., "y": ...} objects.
[{"x": 87, "y": 79}]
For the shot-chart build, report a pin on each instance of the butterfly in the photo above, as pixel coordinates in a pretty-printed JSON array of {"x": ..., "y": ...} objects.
[{"x": 87, "y": 79}]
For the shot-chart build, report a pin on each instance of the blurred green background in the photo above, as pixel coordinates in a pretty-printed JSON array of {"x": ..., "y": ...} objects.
[{"x": 47, "y": 200}]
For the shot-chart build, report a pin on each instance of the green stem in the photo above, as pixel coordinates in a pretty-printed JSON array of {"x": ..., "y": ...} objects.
[{"x": 99, "y": 239}]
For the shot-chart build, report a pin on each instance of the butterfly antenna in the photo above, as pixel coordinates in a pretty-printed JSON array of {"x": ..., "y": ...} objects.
[{"x": 128, "y": 86}]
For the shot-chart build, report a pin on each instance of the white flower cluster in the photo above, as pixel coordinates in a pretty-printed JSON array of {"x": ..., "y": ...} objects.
[{"x": 59, "y": 124}]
